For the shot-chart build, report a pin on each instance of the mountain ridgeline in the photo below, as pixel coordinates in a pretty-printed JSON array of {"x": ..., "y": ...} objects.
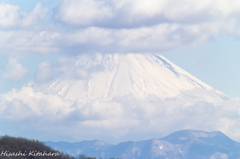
[{"x": 185, "y": 144}]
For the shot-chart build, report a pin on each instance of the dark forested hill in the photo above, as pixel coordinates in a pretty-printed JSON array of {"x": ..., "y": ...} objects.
[{"x": 22, "y": 148}]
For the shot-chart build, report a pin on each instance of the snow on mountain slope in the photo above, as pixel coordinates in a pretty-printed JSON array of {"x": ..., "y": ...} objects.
[{"x": 107, "y": 76}]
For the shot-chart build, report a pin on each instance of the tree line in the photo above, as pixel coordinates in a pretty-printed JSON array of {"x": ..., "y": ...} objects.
[{"x": 22, "y": 148}]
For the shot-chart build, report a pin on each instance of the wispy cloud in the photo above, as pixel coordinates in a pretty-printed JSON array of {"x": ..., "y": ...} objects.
[{"x": 12, "y": 17}]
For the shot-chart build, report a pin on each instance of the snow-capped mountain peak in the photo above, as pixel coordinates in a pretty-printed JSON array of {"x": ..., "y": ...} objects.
[{"x": 108, "y": 76}]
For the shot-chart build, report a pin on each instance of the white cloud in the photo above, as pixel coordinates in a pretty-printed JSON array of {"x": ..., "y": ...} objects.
[
  {"x": 14, "y": 71},
  {"x": 83, "y": 12},
  {"x": 137, "y": 13},
  {"x": 145, "y": 39},
  {"x": 11, "y": 17},
  {"x": 36, "y": 103},
  {"x": 118, "y": 119},
  {"x": 93, "y": 39},
  {"x": 35, "y": 16},
  {"x": 24, "y": 32},
  {"x": 115, "y": 26},
  {"x": 29, "y": 42},
  {"x": 8, "y": 15}
]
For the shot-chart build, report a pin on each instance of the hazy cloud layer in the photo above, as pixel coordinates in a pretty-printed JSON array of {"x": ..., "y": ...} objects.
[{"x": 76, "y": 26}]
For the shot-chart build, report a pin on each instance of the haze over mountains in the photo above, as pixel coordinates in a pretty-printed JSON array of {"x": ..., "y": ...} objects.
[{"x": 185, "y": 144}]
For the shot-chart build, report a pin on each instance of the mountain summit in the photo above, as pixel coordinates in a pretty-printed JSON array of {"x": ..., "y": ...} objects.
[{"x": 108, "y": 76}]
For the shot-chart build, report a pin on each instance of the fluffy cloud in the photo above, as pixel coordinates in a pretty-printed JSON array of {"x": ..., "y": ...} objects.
[
  {"x": 14, "y": 71},
  {"x": 93, "y": 39},
  {"x": 145, "y": 39},
  {"x": 78, "y": 26},
  {"x": 87, "y": 12},
  {"x": 34, "y": 104},
  {"x": 117, "y": 119},
  {"x": 8, "y": 15},
  {"x": 24, "y": 32},
  {"x": 134, "y": 13}
]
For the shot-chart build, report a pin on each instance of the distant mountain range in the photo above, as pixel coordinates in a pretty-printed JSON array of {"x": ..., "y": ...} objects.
[{"x": 185, "y": 144}]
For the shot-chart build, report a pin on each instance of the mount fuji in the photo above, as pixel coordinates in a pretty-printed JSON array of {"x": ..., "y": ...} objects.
[
  {"x": 109, "y": 76},
  {"x": 114, "y": 98}
]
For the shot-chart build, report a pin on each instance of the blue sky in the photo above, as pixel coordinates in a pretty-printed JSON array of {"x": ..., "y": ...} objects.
[
  {"x": 215, "y": 63},
  {"x": 201, "y": 37}
]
